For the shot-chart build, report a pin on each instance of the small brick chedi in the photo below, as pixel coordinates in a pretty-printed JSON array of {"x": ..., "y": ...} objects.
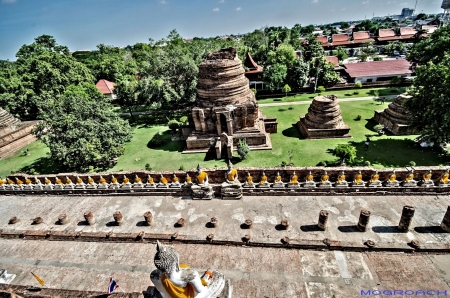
[
  {"x": 226, "y": 109},
  {"x": 395, "y": 118},
  {"x": 324, "y": 119}
]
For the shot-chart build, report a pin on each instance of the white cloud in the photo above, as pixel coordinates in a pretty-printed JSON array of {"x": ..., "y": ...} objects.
[
  {"x": 221, "y": 1},
  {"x": 365, "y": 2},
  {"x": 314, "y": 1},
  {"x": 216, "y": 9},
  {"x": 8, "y": 1},
  {"x": 239, "y": 8}
]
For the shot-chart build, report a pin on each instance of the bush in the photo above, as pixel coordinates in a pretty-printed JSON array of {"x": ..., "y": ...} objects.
[
  {"x": 358, "y": 85},
  {"x": 243, "y": 149},
  {"x": 290, "y": 108},
  {"x": 173, "y": 125},
  {"x": 254, "y": 90},
  {"x": 157, "y": 140},
  {"x": 182, "y": 168},
  {"x": 345, "y": 152},
  {"x": 367, "y": 163},
  {"x": 321, "y": 89},
  {"x": 284, "y": 163},
  {"x": 378, "y": 127},
  {"x": 322, "y": 164},
  {"x": 412, "y": 163},
  {"x": 355, "y": 92},
  {"x": 183, "y": 120},
  {"x": 377, "y": 58},
  {"x": 148, "y": 167},
  {"x": 358, "y": 118},
  {"x": 281, "y": 110}
]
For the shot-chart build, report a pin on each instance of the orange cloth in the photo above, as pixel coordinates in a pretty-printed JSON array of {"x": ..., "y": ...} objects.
[
  {"x": 201, "y": 177},
  {"x": 232, "y": 175},
  {"x": 176, "y": 291}
]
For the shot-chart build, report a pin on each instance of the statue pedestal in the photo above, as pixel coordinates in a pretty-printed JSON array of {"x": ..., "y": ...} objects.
[
  {"x": 58, "y": 187},
  {"x": 103, "y": 186},
  {"x": 294, "y": 185},
  {"x": 427, "y": 183},
  {"x": 150, "y": 185},
  {"x": 391, "y": 183},
  {"x": 48, "y": 186},
  {"x": 231, "y": 191},
  {"x": 264, "y": 185},
  {"x": 325, "y": 184},
  {"x": 410, "y": 183},
  {"x": 175, "y": 185},
  {"x": 278, "y": 185},
  {"x": 309, "y": 184},
  {"x": 80, "y": 186},
  {"x": 126, "y": 186},
  {"x": 91, "y": 186},
  {"x": 69, "y": 186},
  {"x": 202, "y": 192},
  {"x": 343, "y": 184},
  {"x": 375, "y": 184},
  {"x": 28, "y": 187},
  {"x": 246, "y": 185},
  {"x": 358, "y": 184},
  {"x": 115, "y": 185},
  {"x": 37, "y": 187},
  {"x": 137, "y": 185},
  {"x": 162, "y": 185}
]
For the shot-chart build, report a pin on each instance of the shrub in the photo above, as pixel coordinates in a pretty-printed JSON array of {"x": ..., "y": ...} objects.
[
  {"x": 355, "y": 92},
  {"x": 157, "y": 140},
  {"x": 412, "y": 163},
  {"x": 254, "y": 90},
  {"x": 321, "y": 89},
  {"x": 290, "y": 108},
  {"x": 322, "y": 164},
  {"x": 358, "y": 85},
  {"x": 173, "y": 125},
  {"x": 284, "y": 163},
  {"x": 345, "y": 152},
  {"x": 377, "y": 58},
  {"x": 281, "y": 110},
  {"x": 184, "y": 120},
  {"x": 148, "y": 167},
  {"x": 378, "y": 127},
  {"x": 358, "y": 118},
  {"x": 367, "y": 163},
  {"x": 243, "y": 149},
  {"x": 182, "y": 168}
]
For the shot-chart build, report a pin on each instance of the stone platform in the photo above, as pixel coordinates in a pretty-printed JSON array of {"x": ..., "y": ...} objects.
[
  {"x": 263, "y": 268},
  {"x": 396, "y": 117}
]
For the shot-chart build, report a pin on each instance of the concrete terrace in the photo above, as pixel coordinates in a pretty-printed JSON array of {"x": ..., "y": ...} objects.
[{"x": 254, "y": 271}]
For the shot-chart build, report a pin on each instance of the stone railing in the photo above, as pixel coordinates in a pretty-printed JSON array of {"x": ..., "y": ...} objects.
[{"x": 290, "y": 180}]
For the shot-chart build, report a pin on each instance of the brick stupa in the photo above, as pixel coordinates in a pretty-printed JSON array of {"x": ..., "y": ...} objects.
[
  {"x": 226, "y": 109},
  {"x": 396, "y": 117},
  {"x": 14, "y": 134},
  {"x": 323, "y": 120}
]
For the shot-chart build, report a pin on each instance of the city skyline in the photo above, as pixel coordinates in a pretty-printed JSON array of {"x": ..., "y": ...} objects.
[{"x": 81, "y": 25}]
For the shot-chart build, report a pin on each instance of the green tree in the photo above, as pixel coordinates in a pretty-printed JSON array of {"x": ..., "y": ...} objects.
[
  {"x": 243, "y": 149},
  {"x": 429, "y": 105},
  {"x": 341, "y": 53},
  {"x": 81, "y": 130},
  {"x": 394, "y": 46},
  {"x": 345, "y": 152},
  {"x": 298, "y": 74},
  {"x": 286, "y": 89},
  {"x": 431, "y": 49},
  {"x": 275, "y": 76}
]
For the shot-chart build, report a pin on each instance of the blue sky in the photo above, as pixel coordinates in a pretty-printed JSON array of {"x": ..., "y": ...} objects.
[{"x": 82, "y": 24}]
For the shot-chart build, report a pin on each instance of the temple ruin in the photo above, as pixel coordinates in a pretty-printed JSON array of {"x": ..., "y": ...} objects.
[
  {"x": 396, "y": 117},
  {"x": 226, "y": 110},
  {"x": 323, "y": 120},
  {"x": 14, "y": 134}
]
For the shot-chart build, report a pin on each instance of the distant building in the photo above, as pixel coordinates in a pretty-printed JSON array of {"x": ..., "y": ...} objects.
[
  {"x": 106, "y": 88},
  {"x": 386, "y": 70},
  {"x": 254, "y": 73},
  {"x": 407, "y": 12}
]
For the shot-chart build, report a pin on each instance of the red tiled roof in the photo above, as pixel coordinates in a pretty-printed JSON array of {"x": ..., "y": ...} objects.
[
  {"x": 407, "y": 31},
  {"x": 250, "y": 63},
  {"x": 386, "y": 33},
  {"x": 378, "y": 68},
  {"x": 323, "y": 39},
  {"x": 339, "y": 37},
  {"x": 333, "y": 59},
  {"x": 361, "y": 35},
  {"x": 429, "y": 29},
  {"x": 105, "y": 86}
]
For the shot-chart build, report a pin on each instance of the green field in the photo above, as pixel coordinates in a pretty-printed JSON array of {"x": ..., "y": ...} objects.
[{"x": 384, "y": 151}]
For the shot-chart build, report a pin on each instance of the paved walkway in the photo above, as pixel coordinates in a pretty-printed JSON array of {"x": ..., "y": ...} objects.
[{"x": 307, "y": 102}]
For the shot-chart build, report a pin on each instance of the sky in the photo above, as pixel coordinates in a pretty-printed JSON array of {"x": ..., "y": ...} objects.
[{"x": 83, "y": 24}]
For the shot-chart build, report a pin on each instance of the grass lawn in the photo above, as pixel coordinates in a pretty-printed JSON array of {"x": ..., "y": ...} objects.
[
  {"x": 338, "y": 93},
  {"x": 384, "y": 151}
]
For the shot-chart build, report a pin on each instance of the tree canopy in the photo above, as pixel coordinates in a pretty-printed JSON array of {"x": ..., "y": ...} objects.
[{"x": 81, "y": 130}]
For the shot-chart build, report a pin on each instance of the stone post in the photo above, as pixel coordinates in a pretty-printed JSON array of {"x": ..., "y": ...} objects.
[
  {"x": 148, "y": 216},
  {"x": 364, "y": 217},
  {"x": 13, "y": 220},
  {"x": 180, "y": 223},
  {"x": 214, "y": 222},
  {"x": 89, "y": 217},
  {"x": 323, "y": 219},
  {"x": 63, "y": 219},
  {"x": 37, "y": 220},
  {"x": 118, "y": 218},
  {"x": 284, "y": 224},
  {"x": 405, "y": 220},
  {"x": 445, "y": 225},
  {"x": 248, "y": 224}
]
